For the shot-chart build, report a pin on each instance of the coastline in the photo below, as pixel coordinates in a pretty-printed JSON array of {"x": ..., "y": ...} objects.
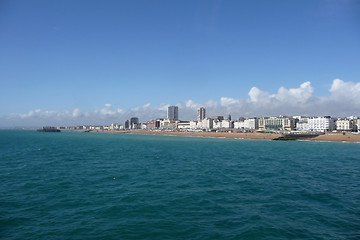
[
  {"x": 328, "y": 137},
  {"x": 265, "y": 136},
  {"x": 337, "y": 137}
]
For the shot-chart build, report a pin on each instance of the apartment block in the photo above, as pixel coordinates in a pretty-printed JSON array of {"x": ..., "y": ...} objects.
[
  {"x": 277, "y": 123},
  {"x": 345, "y": 125},
  {"x": 321, "y": 124}
]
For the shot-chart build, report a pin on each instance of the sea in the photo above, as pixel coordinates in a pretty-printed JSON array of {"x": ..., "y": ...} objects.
[{"x": 76, "y": 185}]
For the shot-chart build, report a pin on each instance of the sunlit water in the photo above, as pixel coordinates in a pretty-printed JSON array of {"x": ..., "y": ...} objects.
[{"x": 121, "y": 186}]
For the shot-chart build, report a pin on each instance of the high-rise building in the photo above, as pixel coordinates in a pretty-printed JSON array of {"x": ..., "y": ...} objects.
[
  {"x": 173, "y": 113},
  {"x": 127, "y": 124},
  {"x": 134, "y": 121},
  {"x": 201, "y": 114}
]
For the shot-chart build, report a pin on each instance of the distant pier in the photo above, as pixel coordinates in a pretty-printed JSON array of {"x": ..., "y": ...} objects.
[{"x": 48, "y": 129}]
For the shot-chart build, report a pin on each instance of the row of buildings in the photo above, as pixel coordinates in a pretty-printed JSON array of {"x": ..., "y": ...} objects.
[
  {"x": 281, "y": 123},
  {"x": 219, "y": 123}
]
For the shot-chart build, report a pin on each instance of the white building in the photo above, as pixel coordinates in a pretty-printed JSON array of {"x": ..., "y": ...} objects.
[
  {"x": 321, "y": 124},
  {"x": 227, "y": 124},
  {"x": 239, "y": 124},
  {"x": 166, "y": 124},
  {"x": 276, "y": 123},
  {"x": 115, "y": 126},
  {"x": 207, "y": 123},
  {"x": 251, "y": 123},
  {"x": 302, "y": 126},
  {"x": 356, "y": 123},
  {"x": 345, "y": 125},
  {"x": 216, "y": 124},
  {"x": 194, "y": 124},
  {"x": 183, "y": 125}
]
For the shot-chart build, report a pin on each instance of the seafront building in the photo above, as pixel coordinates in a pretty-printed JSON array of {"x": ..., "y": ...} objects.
[
  {"x": 276, "y": 123},
  {"x": 167, "y": 124},
  {"x": 183, "y": 125},
  {"x": 249, "y": 123},
  {"x": 207, "y": 123},
  {"x": 316, "y": 124},
  {"x": 345, "y": 125},
  {"x": 127, "y": 124},
  {"x": 201, "y": 114},
  {"x": 134, "y": 123},
  {"x": 115, "y": 126},
  {"x": 153, "y": 124},
  {"x": 173, "y": 113},
  {"x": 302, "y": 124},
  {"x": 225, "y": 123},
  {"x": 321, "y": 124}
]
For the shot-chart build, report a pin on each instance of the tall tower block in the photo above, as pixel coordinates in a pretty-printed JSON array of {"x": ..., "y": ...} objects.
[
  {"x": 201, "y": 114},
  {"x": 173, "y": 113}
]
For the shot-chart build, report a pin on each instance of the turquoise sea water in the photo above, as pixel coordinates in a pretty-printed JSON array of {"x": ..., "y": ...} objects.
[{"x": 72, "y": 185}]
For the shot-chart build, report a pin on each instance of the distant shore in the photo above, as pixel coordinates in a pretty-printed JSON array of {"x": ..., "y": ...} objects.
[
  {"x": 268, "y": 136},
  {"x": 338, "y": 137},
  {"x": 332, "y": 137}
]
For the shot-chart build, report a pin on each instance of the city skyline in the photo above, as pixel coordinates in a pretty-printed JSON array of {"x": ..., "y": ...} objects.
[
  {"x": 287, "y": 102},
  {"x": 219, "y": 123},
  {"x": 69, "y": 63}
]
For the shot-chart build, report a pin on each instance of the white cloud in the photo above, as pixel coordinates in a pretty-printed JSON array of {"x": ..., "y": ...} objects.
[
  {"x": 256, "y": 95},
  {"x": 107, "y": 111},
  {"x": 226, "y": 101},
  {"x": 344, "y": 100},
  {"x": 298, "y": 95},
  {"x": 163, "y": 107},
  {"x": 76, "y": 113},
  {"x": 211, "y": 104},
  {"x": 147, "y": 105},
  {"x": 345, "y": 90},
  {"x": 192, "y": 104},
  {"x": 189, "y": 104},
  {"x": 31, "y": 113}
]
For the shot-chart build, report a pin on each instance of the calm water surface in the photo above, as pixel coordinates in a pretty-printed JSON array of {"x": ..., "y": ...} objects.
[{"x": 120, "y": 186}]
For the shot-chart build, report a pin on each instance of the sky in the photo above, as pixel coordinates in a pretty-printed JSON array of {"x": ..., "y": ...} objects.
[{"x": 100, "y": 62}]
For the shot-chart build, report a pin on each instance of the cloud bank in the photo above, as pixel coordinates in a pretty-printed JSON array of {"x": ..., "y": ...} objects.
[{"x": 343, "y": 100}]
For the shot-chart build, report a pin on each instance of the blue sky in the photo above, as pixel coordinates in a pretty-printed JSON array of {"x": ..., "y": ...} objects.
[{"x": 79, "y": 59}]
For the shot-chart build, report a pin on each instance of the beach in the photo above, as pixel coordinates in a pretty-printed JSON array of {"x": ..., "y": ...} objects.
[
  {"x": 267, "y": 136},
  {"x": 338, "y": 137},
  {"x": 332, "y": 137}
]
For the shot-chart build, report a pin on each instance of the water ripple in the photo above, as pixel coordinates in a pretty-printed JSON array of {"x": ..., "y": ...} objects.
[{"x": 109, "y": 186}]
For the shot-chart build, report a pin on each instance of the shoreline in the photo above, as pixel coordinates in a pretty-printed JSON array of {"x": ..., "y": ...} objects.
[
  {"x": 328, "y": 137},
  {"x": 263, "y": 136}
]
